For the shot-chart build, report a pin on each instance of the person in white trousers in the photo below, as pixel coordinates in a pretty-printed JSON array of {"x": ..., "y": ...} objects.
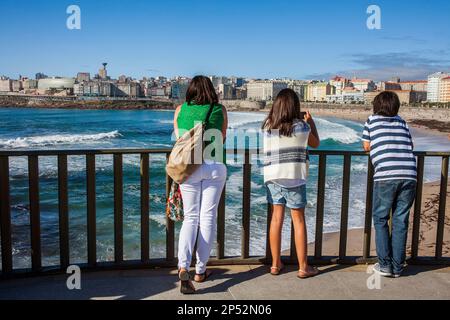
[
  {"x": 201, "y": 195},
  {"x": 201, "y": 192}
]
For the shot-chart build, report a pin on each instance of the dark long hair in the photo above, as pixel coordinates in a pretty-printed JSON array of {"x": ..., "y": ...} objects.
[
  {"x": 386, "y": 104},
  {"x": 201, "y": 91},
  {"x": 285, "y": 111}
]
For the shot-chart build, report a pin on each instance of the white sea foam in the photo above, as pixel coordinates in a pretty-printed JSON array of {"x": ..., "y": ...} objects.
[
  {"x": 336, "y": 132},
  {"x": 57, "y": 139},
  {"x": 239, "y": 119}
]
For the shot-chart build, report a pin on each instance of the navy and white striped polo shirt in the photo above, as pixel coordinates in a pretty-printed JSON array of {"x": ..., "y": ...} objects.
[{"x": 391, "y": 148}]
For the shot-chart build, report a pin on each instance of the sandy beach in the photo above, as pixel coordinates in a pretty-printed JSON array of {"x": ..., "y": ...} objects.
[
  {"x": 431, "y": 120},
  {"x": 428, "y": 227}
]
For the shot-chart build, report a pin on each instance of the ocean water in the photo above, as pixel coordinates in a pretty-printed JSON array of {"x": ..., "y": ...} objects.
[{"x": 92, "y": 129}]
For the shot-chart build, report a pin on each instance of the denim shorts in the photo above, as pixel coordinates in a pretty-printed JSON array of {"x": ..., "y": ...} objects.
[{"x": 293, "y": 198}]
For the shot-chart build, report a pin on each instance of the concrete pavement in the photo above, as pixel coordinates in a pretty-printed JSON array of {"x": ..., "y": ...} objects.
[{"x": 239, "y": 282}]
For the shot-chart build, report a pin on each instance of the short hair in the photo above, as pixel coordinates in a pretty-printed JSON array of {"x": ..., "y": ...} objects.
[
  {"x": 201, "y": 92},
  {"x": 386, "y": 104}
]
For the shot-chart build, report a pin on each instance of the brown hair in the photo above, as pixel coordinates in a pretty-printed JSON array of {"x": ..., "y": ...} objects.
[
  {"x": 285, "y": 110},
  {"x": 386, "y": 104},
  {"x": 201, "y": 91}
]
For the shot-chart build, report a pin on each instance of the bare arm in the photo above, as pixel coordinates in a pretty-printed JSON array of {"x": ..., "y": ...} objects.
[
  {"x": 175, "y": 124},
  {"x": 225, "y": 123},
  {"x": 313, "y": 140},
  {"x": 366, "y": 146}
]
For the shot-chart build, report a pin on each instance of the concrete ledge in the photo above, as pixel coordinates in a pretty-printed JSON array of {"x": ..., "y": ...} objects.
[{"x": 238, "y": 282}]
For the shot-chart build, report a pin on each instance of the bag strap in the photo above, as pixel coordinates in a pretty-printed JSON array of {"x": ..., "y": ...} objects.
[{"x": 208, "y": 115}]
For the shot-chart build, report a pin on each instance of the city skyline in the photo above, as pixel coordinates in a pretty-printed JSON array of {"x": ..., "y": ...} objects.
[{"x": 284, "y": 39}]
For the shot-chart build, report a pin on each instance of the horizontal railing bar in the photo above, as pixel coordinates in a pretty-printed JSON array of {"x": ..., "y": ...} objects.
[
  {"x": 80, "y": 152},
  {"x": 74, "y": 152}
]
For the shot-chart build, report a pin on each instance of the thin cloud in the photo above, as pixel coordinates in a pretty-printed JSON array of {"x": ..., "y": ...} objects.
[
  {"x": 407, "y": 66},
  {"x": 404, "y": 38}
]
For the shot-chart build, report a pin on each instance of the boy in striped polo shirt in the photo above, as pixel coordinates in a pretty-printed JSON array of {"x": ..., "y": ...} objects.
[{"x": 386, "y": 135}]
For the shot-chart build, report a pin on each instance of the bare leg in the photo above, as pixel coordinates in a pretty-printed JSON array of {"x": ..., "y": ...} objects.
[
  {"x": 301, "y": 241},
  {"x": 275, "y": 234}
]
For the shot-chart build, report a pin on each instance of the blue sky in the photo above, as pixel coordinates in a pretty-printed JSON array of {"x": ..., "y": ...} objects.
[{"x": 253, "y": 38}]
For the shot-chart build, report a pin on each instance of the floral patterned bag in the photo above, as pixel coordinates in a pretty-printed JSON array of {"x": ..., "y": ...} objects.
[{"x": 174, "y": 206}]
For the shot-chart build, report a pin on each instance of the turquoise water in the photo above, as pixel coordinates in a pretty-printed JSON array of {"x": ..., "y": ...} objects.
[{"x": 92, "y": 129}]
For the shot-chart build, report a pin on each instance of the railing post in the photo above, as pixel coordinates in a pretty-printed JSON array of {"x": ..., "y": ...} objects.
[
  {"x": 5, "y": 216},
  {"x": 368, "y": 216},
  {"x": 344, "y": 206},
  {"x": 170, "y": 230},
  {"x": 417, "y": 208},
  {"x": 320, "y": 206},
  {"x": 91, "y": 210},
  {"x": 35, "y": 219},
  {"x": 245, "y": 243},
  {"x": 442, "y": 204},
  {"x": 145, "y": 210},
  {"x": 63, "y": 212},
  {"x": 221, "y": 226},
  {"x": 118, "y": 208},
  {"x": 293, "y": 249}
]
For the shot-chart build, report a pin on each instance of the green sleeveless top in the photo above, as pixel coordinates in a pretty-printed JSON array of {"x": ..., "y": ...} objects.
[{"x": 191, "y": 114}]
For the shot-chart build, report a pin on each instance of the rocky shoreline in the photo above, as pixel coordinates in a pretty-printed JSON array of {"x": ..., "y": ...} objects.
[{"x": 70, "y": 103}]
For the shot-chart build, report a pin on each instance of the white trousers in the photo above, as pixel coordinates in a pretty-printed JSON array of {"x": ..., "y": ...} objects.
[{"x": 201, "y": 195}]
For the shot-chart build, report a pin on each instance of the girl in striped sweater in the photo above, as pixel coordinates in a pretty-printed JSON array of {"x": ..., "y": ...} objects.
[{"x": 287, "y": 135}]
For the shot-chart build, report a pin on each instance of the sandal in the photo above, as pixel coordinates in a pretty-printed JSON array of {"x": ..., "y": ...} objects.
[
  {"x": 203, "y": 276},
  {"x": 308, "y": 274},
  {"x": 275, "y": 271},
  {"x": 186, "y": 284}
]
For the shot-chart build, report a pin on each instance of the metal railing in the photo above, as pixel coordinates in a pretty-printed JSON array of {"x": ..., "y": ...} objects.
[{"x": 8, "y": 269}]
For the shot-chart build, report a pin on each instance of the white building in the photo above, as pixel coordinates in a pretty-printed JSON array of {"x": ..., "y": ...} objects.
[
  {"x": 363, "y": 85},
  {"x": 56, "y": 83},
  {"x": 346, "y": 97},
  {"x": 339, "y": 83},
  {"x": 434, "y": 84},
  {"x": 5, "y": 85},
  {"x": 264, "y": 90}
]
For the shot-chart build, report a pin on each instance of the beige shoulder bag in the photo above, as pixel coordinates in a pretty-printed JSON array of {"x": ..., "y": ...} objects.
[{"x": 187, "y": 153}]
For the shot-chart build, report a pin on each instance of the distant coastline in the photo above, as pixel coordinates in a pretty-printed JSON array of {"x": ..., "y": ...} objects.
[{"x": 432, "y": 119}]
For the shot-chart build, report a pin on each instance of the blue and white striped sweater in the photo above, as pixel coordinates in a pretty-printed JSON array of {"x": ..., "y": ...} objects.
[{"x": 391, "y": 148}]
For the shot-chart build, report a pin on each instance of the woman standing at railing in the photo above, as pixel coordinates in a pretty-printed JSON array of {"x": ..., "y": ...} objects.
[
  {"x": 287, "y": 135},
  {"x": 201, "y": 192}
]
